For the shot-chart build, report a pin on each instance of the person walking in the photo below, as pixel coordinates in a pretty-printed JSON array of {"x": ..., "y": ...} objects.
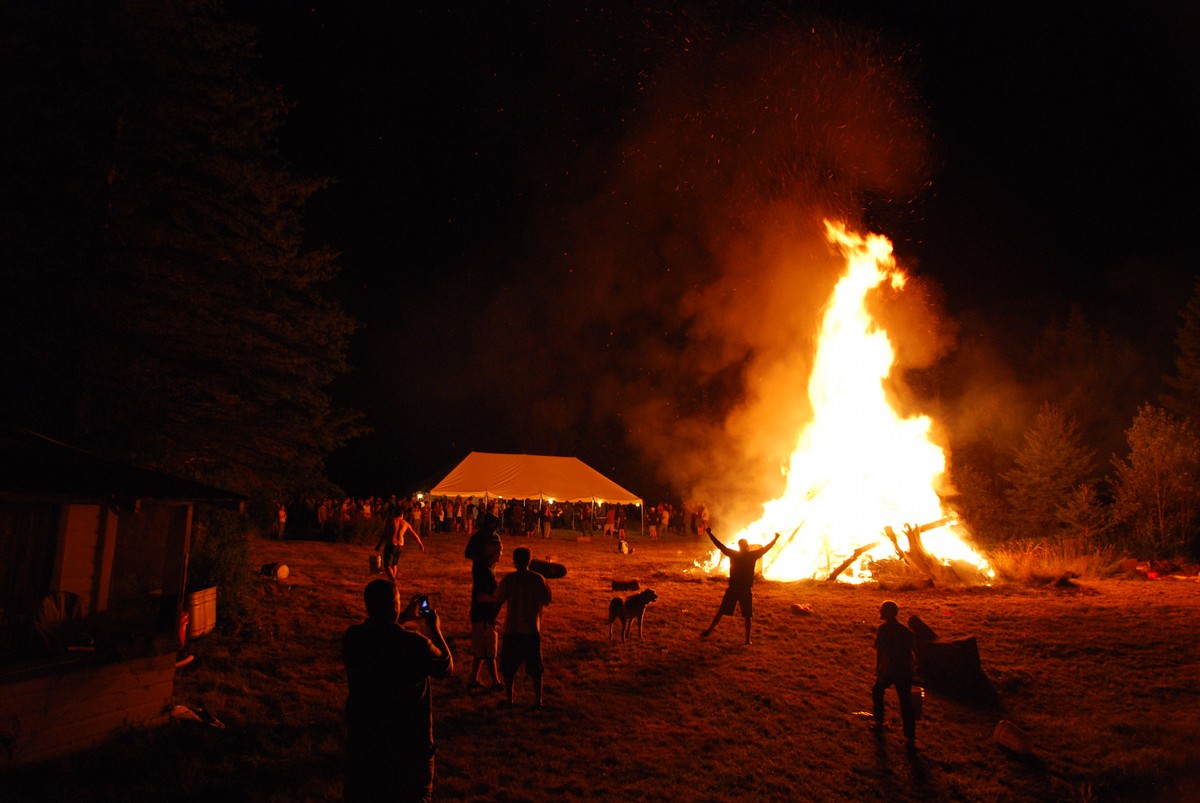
[
  {"x": 391, "y": 543},
  {"x": 894, "y": 667},
  {"x": 739, "y": 593},
  {"x": 389, "y": 710}
]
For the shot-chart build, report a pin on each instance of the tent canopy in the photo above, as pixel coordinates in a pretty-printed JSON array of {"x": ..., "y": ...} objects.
[{"x": 531, "y": 476}]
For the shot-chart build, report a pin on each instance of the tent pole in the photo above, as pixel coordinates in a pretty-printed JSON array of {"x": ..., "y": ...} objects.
[{"x": 642, "y": 515}]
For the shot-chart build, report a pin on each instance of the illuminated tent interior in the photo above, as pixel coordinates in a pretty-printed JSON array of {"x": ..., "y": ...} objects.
[{"x": 529, "y": 476}]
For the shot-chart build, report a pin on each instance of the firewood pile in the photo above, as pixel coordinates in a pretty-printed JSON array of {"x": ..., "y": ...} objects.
[{"x": 912, "y": 563}]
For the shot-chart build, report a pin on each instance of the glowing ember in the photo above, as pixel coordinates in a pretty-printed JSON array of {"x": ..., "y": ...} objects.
[{"x": 857, "y": 467}]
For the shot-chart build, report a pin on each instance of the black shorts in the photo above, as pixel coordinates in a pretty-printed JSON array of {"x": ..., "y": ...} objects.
[
  {"x": 735, "y": 597},
  {"x": 391, "y": 555},
  {"x": 521, "y": 648}
]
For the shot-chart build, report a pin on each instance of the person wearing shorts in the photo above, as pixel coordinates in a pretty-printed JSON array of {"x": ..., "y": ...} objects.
[
  {"x": 483, "y": 615},
  {"x": 523, "y": 594},
  {"x": 391, "y": 541},
  {"x": 740, "y": 592}
]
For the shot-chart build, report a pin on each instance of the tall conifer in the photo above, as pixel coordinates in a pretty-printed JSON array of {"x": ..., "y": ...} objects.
[{"x": 160, "y": 303}]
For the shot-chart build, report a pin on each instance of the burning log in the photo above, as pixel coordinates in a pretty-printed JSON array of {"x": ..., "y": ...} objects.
[
  {"x": 915, "y": 556},
  {"x": 774, "y": 555},
  {"x": 853, "y": 557}
]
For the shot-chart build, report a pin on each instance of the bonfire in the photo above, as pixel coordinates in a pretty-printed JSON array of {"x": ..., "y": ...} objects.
[{"x": 861, "y": 482}]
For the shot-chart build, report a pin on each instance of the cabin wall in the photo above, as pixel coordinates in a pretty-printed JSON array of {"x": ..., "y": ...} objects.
[
  {"x": 79, "y": 706},
  {"x": 83, "y": 566}
]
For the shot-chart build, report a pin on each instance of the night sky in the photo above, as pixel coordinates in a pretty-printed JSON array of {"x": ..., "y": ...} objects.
[{"x": 530, "y": 197}]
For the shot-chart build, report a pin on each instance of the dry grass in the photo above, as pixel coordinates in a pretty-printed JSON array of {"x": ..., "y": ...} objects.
[
  {"x": 1035, "y": 562},
  {"x": 1102, "y": 676}
]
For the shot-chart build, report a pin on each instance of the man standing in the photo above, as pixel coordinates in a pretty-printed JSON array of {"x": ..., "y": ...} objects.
[
  {"x": 524, "y": 593},
  {"x": 389, "y": 714},
  {"x": 739, "y": 593},
  {"x": 894, "y": 667}
]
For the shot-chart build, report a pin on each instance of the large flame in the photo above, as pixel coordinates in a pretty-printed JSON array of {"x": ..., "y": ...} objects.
[{"x": 857, "y": 468}]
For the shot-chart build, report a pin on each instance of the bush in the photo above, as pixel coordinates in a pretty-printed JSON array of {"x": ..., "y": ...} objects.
[{"x": 220, "y": 556}]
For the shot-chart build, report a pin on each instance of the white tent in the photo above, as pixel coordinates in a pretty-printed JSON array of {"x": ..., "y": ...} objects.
[{"x": 531, "y": 476}]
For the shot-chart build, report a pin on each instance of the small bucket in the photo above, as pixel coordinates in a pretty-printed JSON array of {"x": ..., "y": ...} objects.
[
  {"x": 918, "y": 701},
  {"x": 375, "y": 564},
  {"x": 1010, "y": 737}
]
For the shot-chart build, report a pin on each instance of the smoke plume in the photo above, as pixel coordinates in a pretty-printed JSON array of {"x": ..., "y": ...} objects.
[{"x": 673, "y": 310}]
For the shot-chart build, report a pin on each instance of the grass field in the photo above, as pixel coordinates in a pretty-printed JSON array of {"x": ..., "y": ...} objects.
[{"x": 1104, "y": 677}]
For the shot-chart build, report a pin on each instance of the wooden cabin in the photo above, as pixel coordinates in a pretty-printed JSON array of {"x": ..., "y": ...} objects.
[{"x": 93, "y": 566}]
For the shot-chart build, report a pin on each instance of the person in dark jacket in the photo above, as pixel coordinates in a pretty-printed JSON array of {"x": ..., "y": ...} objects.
[
  {"x": 389, "y": 712},
  {"x": 894, "y": 667}
]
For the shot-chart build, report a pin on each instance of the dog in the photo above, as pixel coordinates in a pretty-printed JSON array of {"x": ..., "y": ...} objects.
[{"x": 628, "y": 610}]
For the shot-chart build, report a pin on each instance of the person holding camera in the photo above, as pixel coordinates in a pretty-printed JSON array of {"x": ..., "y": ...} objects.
[{"x": 389, "y": 712}]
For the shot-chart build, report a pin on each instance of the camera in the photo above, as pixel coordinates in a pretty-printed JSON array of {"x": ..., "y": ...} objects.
[{"x": 424, "y": 607}]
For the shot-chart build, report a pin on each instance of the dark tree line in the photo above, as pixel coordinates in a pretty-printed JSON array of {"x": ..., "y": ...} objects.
[
  {"x": 1052, "y": 483},
  {"x": 158, "y": 300}
]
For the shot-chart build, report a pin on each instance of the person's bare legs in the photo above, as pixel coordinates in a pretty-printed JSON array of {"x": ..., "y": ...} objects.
[
  {"x": 711, "y": 627},
  {"x": 537, "y": 691},
  {"x": 748, "y": 630}
]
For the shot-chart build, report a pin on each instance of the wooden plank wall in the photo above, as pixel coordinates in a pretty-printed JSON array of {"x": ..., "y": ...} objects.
[
  {"x": 72, "y": 709},
  {"x": 80, "y": 541}
]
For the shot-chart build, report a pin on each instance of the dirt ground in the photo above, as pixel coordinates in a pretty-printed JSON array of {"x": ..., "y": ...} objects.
[{"x": 1101, "y": 676}]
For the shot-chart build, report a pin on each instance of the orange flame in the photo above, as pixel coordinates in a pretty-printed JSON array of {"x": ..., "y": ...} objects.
[{"x": 857, "y": 466}]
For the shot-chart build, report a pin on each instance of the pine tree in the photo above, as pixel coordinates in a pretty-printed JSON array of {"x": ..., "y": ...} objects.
[
  {"x": 1183, "y": 397},
  {"x": 1158, "y": 485},
  {"x": 1049, "y": 465},
  {"x": 160, "y": 302},
  {"x": 1096, "y": 379}
]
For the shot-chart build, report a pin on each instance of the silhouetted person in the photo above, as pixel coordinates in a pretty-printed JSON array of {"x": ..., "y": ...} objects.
[
  {"x": 483, "y": 614},
  {"x": 389, "y": 715},
  {"x": 894, "y": 667},
  {"x": 740, "y": 592},
  {"x": 525, "y": 593}
]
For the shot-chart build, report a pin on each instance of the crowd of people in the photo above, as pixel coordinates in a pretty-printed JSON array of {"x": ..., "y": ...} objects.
[
  {"x": 389, "y": 714},
  {"x": 346, "y": 518}
]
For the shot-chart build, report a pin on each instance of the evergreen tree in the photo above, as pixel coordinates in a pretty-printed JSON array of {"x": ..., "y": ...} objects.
[
  {"x": 979, "y": 500},
  {"x": 1183, "y": 396},
  {"x": 1084, "y": 512},
  {"x": 1096, "y": 379},
  {"x": 1048, "y": 466},
  {"x": 160, "y": 303},
  {"x": 1157, "y": 486}
]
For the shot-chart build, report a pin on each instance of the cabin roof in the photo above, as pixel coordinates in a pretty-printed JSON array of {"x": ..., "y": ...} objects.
[{"x": 35, "y": 467}]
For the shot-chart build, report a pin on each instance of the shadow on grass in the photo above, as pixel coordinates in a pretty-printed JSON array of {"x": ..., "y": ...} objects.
[{"x": 186, "y": 762}]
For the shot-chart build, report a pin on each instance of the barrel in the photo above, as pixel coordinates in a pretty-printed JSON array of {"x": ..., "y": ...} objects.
[
  {"x": 277, "y": 570},
  {"x": 548, "y": 569}
]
